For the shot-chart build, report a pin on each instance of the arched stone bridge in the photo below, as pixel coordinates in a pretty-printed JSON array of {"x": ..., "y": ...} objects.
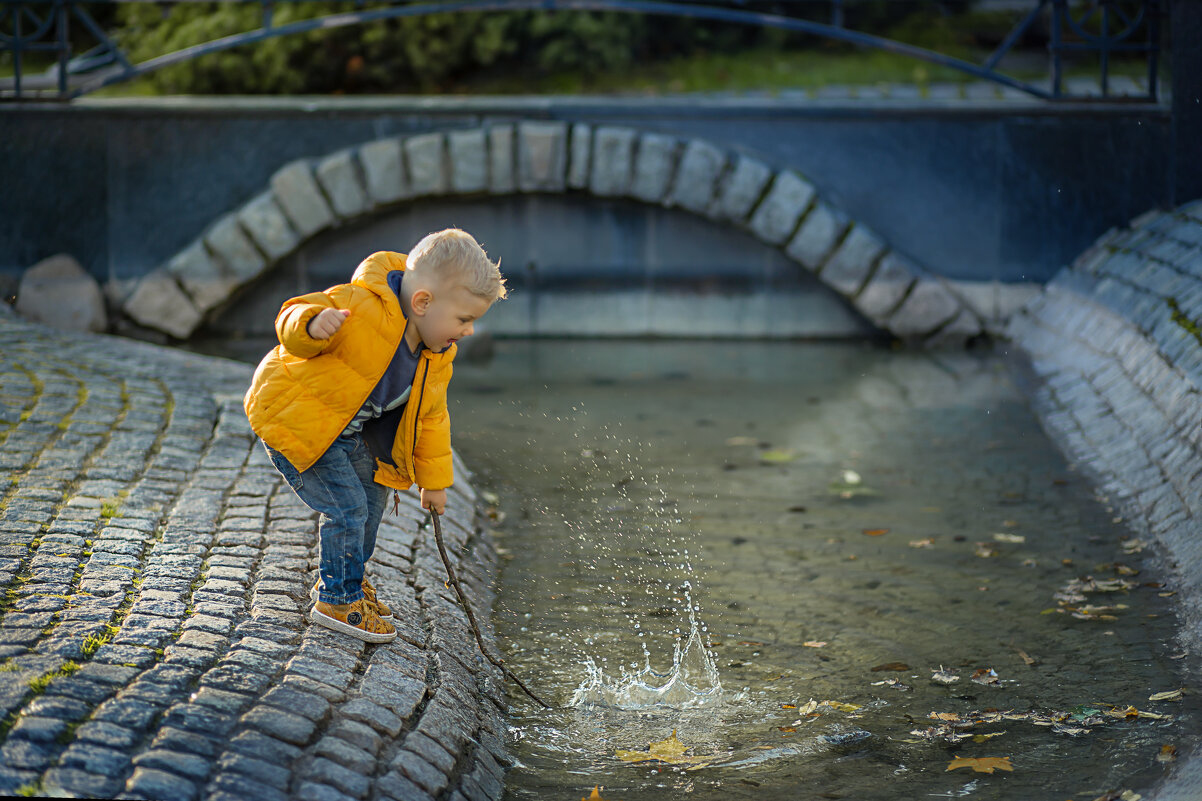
[{"x": 779, "y": 207}]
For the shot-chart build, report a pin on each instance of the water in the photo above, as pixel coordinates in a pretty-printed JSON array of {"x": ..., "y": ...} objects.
[{"x": 766, "y": 554}]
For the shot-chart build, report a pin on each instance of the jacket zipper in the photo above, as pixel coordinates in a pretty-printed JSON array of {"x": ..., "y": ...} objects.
[{"x": 417, "y": 412}]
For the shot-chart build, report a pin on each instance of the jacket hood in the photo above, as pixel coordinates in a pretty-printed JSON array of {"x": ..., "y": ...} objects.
[{"x": 382, "y": 273}]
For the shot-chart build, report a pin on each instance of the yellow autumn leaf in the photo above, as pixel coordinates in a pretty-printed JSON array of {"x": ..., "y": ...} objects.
[
  {"x": 595, "y": 796},
  {"x": 777, "y": 456},
  {"x": 1010, "y": 538},
  {"x": 839, "y": 706},
  {"x": 981, "y": 764},
  {"x": 670, "y": 751},
  {"x": 1170, "y": 695}
]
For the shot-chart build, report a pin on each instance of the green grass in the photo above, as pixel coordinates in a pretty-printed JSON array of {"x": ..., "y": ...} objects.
[{"x": 763, "y": 69}]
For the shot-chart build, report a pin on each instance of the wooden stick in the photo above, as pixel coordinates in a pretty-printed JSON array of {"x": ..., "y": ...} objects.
[{"x": 454, "y": 581}]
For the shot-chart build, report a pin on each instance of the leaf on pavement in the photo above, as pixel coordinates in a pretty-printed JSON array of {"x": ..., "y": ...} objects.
[{"x": 981, "y": 764}]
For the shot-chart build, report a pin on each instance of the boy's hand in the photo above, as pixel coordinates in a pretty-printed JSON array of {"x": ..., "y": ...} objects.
[
  {"x": 327, "y": 322},
  {"x": 434, "y": 499}
]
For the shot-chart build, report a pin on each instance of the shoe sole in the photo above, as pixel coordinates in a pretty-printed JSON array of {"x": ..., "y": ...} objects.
[
  {"x": 334, "y": 624},
  {"x": 315, "y": 596}
]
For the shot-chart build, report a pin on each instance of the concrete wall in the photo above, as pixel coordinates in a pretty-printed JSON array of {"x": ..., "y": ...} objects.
[{"x": 970, "y": 191}]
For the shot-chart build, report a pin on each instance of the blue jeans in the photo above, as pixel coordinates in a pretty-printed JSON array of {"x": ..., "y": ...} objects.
[{"x": 340, "y": 487}]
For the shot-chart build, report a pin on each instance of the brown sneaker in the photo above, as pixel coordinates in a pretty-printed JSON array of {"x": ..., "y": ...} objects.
[
  {"x": 369, "y": 593},
  {"x": 358, "y": 619}
]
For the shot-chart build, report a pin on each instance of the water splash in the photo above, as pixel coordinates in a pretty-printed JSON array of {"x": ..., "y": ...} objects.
[{"x": 692, "y": 682}]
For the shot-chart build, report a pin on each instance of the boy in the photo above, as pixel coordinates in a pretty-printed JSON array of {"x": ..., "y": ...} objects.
[{"x": 353, "y": 401}]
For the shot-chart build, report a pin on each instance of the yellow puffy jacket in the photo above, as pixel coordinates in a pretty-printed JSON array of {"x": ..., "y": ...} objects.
[{"x": 306, "y": 391}]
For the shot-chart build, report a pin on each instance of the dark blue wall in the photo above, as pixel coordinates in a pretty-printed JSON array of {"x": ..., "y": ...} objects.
[{"x": 976, "y": 192}]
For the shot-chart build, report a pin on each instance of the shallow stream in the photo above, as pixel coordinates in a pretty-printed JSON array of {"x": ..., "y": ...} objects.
[{"x": 839, "y": 538}]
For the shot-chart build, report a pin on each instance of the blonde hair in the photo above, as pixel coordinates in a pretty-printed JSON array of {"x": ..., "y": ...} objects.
[{"x": 455, "y": 257}]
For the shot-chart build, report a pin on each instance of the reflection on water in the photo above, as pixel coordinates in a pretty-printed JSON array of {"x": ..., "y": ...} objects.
[{"x": 808, "y": 571}]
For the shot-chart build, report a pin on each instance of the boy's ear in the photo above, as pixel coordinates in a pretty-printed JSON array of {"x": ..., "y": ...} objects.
[{"x": 420, "y": 302}]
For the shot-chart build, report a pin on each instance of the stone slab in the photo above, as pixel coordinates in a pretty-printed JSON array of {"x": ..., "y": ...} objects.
[
  {"x": 542, "y": 156},
  {"x": 697, "y": 176},
  {"x": 425, "y": 156},
  {"x": 300, "y": 198},
  {"x": 338, "y": 175},
  {"x": 654, "y": 166},
  {"x": 384, "y": 170},
  {"x": 266, "y": 224},
  {"x": 612, "y": 160},
  {"x": 777, "y": 214},
  {"x": 740, "y": 188},
  {"x": 469, "y": 160}
]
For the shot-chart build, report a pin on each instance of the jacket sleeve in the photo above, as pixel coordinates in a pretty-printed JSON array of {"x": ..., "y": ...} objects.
[
  {"x": 432, "y": 451},
  {"x": 292, "y": 323}
]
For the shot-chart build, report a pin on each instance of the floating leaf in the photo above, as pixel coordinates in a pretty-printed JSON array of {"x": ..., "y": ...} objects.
[
  {"x": 875, "y": 532},
  {"x": 596, "y": 795},
  {"x": 985, "y": 550},
  {"x": 1132, "y": 712},
  {"x": 942, "y": 676},
  {"x": 925, "y": 542},
  {"x": 1133, "y": 546},
  {"x": 670, "y": 751},
  {"x": 851, "y": 477},
  {"x": 1168, "y": 753},
  {"x": 808, "y": 707},
  {"x": 980, "y": 738},
  {"x": 777, "y": 456},
  {"x": 981, "y": 764},
  {"x": 814, "y": 644},
  {"x": 899, "y": 666},
  {"x": 734, "y": 441},
  {"x": 840, "y": 706},
  {"x": 1170, "y": 695},
  {"x": 943, "y": 716},
  {"x": 1011, "y": 538},
  {"x": 894, "y": 683},
  {"x": 985, "y": 676}
]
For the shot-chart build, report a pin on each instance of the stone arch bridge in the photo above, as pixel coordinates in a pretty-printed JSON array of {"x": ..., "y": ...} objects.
[{"x": 781, "y": 208}]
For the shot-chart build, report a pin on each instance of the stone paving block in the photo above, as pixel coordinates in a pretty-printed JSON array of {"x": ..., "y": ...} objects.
[
  {"x": 696, "y": 179},
  {"x": 170, "y": 738},
  {"x": 328, "y": 772},
  {"x": 430, "y": 750},
  {"x": 338, "y": 175},
  {"x": 851, "y": 264},
  {"x": 315, "y": 791},
  {"x": 777, "y": 214},
  {"x": 580, "y": 149},
  {"x": 372, "y": 714},
  {"x": 420, "y": 772},
  {"x": 426, "y": 158},
  {"x": 469, "y": 160},
  {"x": 189, "y": 766},
  {"x": 267, "y": 226},
  {"x": 297, "y": 192},
  {"x": 384, "y": 170},
  {"x": 612, "y": 160},
  {"x": 740, "y": 188},
  {"x": 502, "y": 177},
  {"x": 542, "y": 156},
  {"x": 654, "y": 165},
  {"x": 258, "y": 745},
  {"x": 238, "y": 787},
  {"x": 281, "y": 725},
  {"x": 273, "y": 774},
  {"x": 78, "y": 783},
  {"x": 230, "y": 243},
  {"x": 346, "y": 754},
  {"x": 394, "y": 785},
  {"x": 290, "y": 698},
  {"x": 155, "y": 785}
]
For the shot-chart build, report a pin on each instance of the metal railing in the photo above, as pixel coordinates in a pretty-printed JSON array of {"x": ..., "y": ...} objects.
[{"x": 1101, "y": 27}]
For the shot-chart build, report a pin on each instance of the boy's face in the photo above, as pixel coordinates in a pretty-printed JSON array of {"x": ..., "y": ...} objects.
[{"x": 449, "y": 314}]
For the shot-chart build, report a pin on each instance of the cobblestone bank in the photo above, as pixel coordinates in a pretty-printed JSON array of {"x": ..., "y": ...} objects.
[
  {"x": 155, "y": 574},
  {"x": 1116, "y": 342}
]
